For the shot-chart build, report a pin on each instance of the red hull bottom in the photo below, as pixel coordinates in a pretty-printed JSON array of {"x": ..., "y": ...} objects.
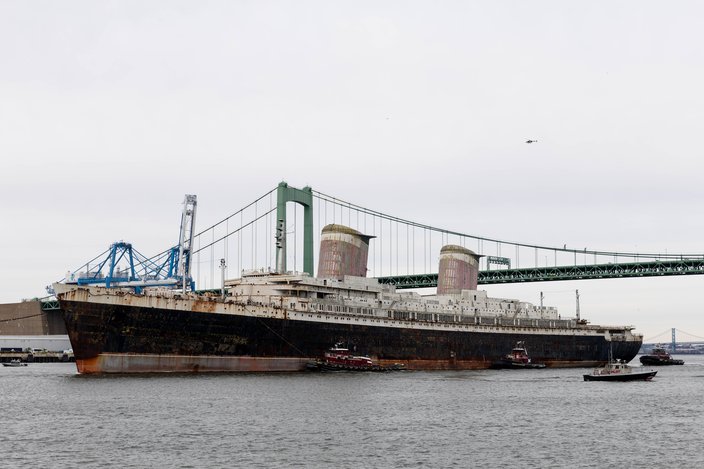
[{"x": 145, "y": 363}]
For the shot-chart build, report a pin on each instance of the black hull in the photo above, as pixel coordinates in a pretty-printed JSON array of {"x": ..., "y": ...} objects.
[
  {"x": 153, "y": 339},
  {"x": 654, "y": 361}
]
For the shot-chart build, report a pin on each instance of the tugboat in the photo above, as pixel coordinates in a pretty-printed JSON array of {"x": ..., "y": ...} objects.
[
  {"x": 618, "y": 370},
  {"x": 659, "y": 356},
  {"x": 517, "y": 359},
  {"x": 339, "y": 358}
]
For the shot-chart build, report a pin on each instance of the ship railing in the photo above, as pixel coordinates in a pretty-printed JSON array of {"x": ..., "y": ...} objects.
[{"x": 335, "y": 310}]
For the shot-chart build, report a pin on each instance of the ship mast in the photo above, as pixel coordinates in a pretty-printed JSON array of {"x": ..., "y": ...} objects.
[
  {"x": 577, "y": 291},
  {"x": 541, "y": 302}
]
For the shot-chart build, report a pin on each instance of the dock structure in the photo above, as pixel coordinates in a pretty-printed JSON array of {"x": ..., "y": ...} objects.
[
  {"x": 32, "y": 356},
  {"x": 32, "y": 332},
  {"x": 31, "y": 318}
]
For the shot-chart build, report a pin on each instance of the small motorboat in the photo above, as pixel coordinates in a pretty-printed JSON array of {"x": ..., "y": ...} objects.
[
  {"x": 659, "y": 357},
  {"x": 619, "y": 371},
  {"x": 14, "y": 362},
  {"x": 517, "y": 359},
  {"x": 339, "y": 358}
]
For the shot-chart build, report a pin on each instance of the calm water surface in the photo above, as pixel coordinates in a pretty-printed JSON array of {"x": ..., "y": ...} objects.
[{"x": 52, "y": 417}]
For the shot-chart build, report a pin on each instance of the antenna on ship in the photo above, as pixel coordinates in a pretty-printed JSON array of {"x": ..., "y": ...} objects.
[
  {"x": 223, "y": 266},
  {"x": 541, "y": 302},
  {"x": 577, "y": 291}
]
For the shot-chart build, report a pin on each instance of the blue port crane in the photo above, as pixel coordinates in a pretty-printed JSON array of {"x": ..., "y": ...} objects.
[{"x": 123, "y": 266}]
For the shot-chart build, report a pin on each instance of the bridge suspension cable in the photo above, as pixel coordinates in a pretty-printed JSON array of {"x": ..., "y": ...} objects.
[
  {"x": 689, "y": 335},
  {"x": 446, "y": 232},
  {"x": 399, "y": 247},
  {"x": 667, "y": 334},
  {"x": 248, "y": 224}
]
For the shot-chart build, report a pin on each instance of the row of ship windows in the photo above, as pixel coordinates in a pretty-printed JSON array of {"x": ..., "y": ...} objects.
[
  {"x": 358, "y": 310},
  {"x": 342, "y": 309},
  {"x": 517, "y": 327},
  {"x": 449, "y": 318},
  {"x": 393, "y": 315}
]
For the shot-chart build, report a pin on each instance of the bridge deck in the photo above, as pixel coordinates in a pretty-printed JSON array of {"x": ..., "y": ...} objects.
[{"x": 573, "y": 272}]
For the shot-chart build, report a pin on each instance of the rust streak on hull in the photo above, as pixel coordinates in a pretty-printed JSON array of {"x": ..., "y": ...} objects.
[{"x": 137, "y": 363}]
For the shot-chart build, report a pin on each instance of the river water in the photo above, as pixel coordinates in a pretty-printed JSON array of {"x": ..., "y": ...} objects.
[{"x": 53, "y": 417}]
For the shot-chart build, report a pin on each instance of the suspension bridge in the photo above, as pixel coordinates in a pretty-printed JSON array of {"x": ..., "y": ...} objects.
[
  {"x": 679, "y": 341},
  {"x": 279, "y": 230}
]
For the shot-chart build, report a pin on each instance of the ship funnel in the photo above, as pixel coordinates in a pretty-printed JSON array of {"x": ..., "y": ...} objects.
[
  {"x": 343, "y": 251},
  {"x": 458, "y": 270}
]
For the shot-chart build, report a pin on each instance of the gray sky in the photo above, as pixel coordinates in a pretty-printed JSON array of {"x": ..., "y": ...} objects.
[{"x": 111, "y": 111}]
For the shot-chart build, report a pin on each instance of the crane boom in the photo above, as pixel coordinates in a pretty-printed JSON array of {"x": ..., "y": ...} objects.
[{"x": 185, "y": 239}]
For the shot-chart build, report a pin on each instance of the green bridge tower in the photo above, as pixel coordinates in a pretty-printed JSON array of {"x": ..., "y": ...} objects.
[{"x": 304, "y": 197}]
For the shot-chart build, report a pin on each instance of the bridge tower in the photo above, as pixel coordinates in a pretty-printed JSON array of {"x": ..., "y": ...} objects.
[
  {"x": 674, "y": 341},
  {"x": 304, "y": 197}
]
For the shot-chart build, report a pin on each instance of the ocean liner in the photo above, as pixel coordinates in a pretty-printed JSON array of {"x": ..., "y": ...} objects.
[{"x": 270, "y": 321}]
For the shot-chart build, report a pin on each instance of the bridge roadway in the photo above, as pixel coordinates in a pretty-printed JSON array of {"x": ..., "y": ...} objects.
[{"x": 569, "y": 272}]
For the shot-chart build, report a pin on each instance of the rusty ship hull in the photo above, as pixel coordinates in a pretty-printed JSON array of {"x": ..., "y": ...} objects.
[{"x": 123, "y": 332}]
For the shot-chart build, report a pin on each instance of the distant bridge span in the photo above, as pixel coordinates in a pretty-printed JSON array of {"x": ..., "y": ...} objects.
[{"x": 575, "y": 272}]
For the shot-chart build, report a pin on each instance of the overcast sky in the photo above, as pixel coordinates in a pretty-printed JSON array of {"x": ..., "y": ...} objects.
[{"x": 111, "y": 111}]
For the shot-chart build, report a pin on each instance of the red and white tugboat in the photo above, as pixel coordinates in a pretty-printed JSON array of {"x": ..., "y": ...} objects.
[
  {"x": 339, "y": 358},
  {"x": 517, "y": 359},
  {"x": 658, "y": 357}
]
